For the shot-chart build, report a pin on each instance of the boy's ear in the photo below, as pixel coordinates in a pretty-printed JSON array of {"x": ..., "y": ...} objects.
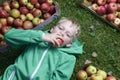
[{"x": 69, "y": 44}]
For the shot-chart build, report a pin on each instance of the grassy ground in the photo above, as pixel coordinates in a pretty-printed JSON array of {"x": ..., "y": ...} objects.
[{"x": 104, "y": 40}]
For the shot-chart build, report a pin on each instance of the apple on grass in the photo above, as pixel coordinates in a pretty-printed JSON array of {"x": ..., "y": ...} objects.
[
  {"x": 110, "y": 78},
  {"x": 96, "y": 77},
  {"x": 91, "y": 70},
  {"x": 102, "y": 73},
  {"x": 82, "y": 75}
]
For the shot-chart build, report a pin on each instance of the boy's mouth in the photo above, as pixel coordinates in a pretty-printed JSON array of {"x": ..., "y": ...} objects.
[{"x": 60, "y": 41}]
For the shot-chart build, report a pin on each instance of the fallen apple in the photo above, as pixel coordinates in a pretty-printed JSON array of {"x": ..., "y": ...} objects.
[
  {"x": 82, "y": 75},
  {"x": 91, "y": 70},
  {"x": 102, "y": 73}
]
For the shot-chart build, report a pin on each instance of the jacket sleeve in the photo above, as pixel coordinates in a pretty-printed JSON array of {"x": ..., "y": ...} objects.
[
  {"x": 16, "y": 38},
  {"x": 64, "y": 70}
]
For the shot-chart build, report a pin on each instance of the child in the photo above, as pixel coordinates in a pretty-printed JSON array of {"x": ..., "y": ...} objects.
[{"x": 48, "y": 55}]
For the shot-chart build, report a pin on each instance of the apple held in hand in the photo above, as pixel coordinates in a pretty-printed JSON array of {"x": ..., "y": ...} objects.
[
  {"x": 82, "y": 75},
  {"x": 102, "y": 73},
  {"x": 110, "y": 78},
  {"x": 91, "y": 70}
]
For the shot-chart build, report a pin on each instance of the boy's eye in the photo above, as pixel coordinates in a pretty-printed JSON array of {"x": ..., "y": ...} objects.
[
  {"x": 68, "y": 34},
  {"x": 61, "y": 28}
]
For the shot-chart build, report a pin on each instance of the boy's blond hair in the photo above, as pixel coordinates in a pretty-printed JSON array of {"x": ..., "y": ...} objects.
[{"x": 74, "y": 24}]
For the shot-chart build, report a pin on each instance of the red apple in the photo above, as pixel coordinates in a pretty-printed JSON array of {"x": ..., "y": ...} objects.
[
  {"x": 37, "y": 13},
  {"x": 15, "y": 13},
  {"x": 110, "y": 17},
  {"x": 101, "y": 10},
  {"x": 36, "y": 21},
  {"x": 101, "y": 2},
  {"x": 3, "y": 21},
  {"x": 22, "y": 17},
  {"x": 1, "y": 25},
  {"x": 10, "y": 20},
  {"x": 82, "y": 75},
  {"x": 52, "y": 9},
  {"x": 5, "y": 29},
  {"x": 30, "y": 5},
  {"x": 18, "y": 22},
  {"x": 37, "y": 5},
  {"x": 24, "y": 10},
  {"x": 23, "y": 2},
  {"x": 111, "y": 1},
  {"x": 118, "y": 6},
  {"x": 33, "y": 1},
  {"x": 45, "y": 7},
  {"x": 29, "y": 16},
  {"x": 15, "y": 4},
  {"x": 47, "y": 15},
  {"x": 41, "y": 1},
  {"x": 6, "y": 3},
  {"x": 110, "y": 78},
  {"x": 3, "y": 13},
  {"x": 91, "y": 70},
  {"x": 3, "y": 44},
  {"x": 112, "y": 7},
  {"x": 27, "y": 25}
]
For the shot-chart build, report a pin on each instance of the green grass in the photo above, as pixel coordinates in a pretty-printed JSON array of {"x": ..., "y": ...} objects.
[{"x": 104, "y": 40}]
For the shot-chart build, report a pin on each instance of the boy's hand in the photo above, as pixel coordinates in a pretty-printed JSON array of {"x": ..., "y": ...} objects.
[{"x": 52, "y": 38}]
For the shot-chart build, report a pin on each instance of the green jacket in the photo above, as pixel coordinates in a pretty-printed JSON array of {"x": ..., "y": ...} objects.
[{"x": 39, "y": 60}]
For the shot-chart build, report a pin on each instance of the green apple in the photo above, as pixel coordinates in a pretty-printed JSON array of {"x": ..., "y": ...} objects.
[
  {"x": 102, "y": 73},
  {"x": 82, "y": 75},
  {"x": 29, "y": 16},
  {"x": 36, "y": 21},
  {"x": 96, "y": 77},
  {"x": 15, "y": 13},
  {"x": 91, "y": 70}
]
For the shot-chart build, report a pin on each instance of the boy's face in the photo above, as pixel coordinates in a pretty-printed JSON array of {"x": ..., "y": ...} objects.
[{"x": 66, "y": 32}]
